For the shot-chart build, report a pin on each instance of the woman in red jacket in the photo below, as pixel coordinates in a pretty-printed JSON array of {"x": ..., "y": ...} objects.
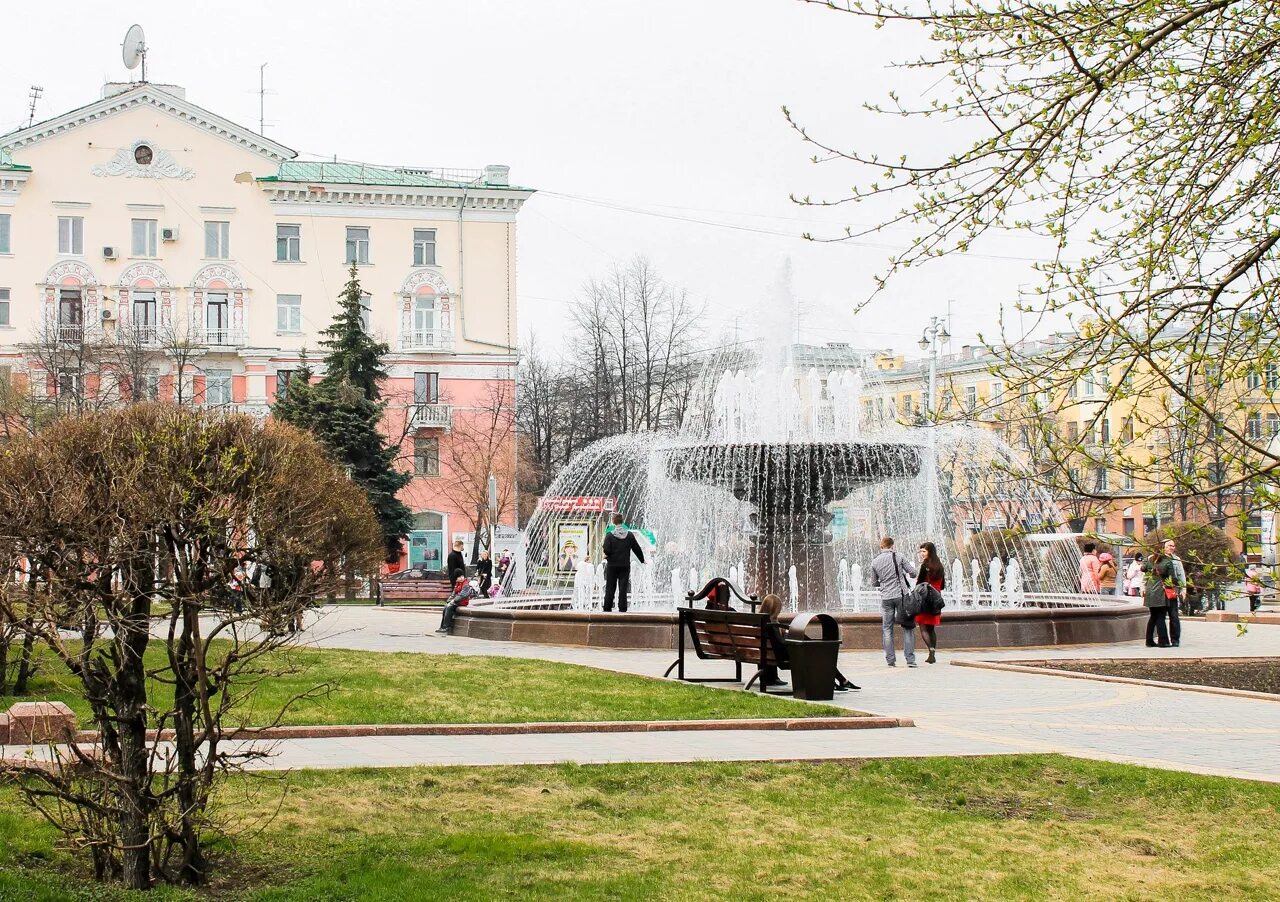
[{"x": 934, "y": 573}]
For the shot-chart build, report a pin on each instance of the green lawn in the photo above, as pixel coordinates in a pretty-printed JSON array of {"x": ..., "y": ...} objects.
[
  {"x": 402, "y": 687},
  {"x": 1027, "y": 827}
]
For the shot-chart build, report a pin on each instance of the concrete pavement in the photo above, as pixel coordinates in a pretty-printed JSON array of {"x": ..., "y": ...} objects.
[{"x": 958, "y": 710}]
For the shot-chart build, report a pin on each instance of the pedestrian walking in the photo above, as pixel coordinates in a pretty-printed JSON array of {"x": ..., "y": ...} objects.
[
  {"x": 619, "y": 545},
  {"x": 889, "y": 572},
  {"x": 1133, "y": 576},
  {"x": 1159, "y": 596},
  {"x": 484, "y": 570},
  {"x": 1180, "y": 583},
  {"x": 933, "y": 572},
  {"x": 1090, "y": 569}
]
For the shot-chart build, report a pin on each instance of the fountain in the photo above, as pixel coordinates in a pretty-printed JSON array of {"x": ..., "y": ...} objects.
[{"x": 789, "y": 466}]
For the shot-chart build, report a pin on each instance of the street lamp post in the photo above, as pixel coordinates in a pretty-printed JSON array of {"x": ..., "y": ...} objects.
[{"x": 934, "y": 335}]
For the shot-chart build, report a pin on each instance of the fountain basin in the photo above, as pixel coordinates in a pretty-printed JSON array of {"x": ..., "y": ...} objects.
[{"x": 1068, "y": 620}]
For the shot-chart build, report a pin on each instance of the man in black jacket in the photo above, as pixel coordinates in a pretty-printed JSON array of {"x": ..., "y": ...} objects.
[
  {"x": 618, "y": 547},
  {"x": 457, "y": 564}
]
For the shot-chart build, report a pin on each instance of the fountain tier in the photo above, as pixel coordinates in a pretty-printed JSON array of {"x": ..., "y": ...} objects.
[{"x": 790, "y": 485}]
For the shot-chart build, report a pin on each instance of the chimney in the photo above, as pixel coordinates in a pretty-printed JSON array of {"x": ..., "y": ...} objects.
[{"x": 497, "y": 174}]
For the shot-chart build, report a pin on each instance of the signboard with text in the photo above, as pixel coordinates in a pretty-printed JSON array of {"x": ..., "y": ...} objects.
[{"x": 578, "y": 504}]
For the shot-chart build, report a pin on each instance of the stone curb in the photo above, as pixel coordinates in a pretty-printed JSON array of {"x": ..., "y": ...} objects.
[
  {"x": 1235, "y": 617},
  {"x": 344, "y": 731},
  {"x": 1132, "y": 681}
]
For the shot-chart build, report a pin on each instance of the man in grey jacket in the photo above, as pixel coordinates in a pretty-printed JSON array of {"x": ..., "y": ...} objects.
[{"x": 889, "y": 571}]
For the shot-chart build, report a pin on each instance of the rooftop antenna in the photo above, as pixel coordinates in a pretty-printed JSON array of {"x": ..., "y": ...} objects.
[
  {"x": 262, "y": 99},
  {"x": 36, "y": 91},
  {"x": 134, "y": 49}
]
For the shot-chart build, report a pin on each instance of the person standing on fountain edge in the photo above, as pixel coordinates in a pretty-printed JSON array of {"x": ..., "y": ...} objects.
[
  {"x": 456, "y": 566},
  {"x": 935, "y": 574},
  {"x": 619, "y": 545},
  {"x": 889, "y": 571}
]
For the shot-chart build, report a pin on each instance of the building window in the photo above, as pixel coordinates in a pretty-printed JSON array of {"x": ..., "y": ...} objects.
[
  {"x": 971, "y": 398},
  {"x": 426, "y": 456},
  {"x": 1073, "y": 431},
  {"x": 289, "y": 243},
  {"x": 142, "y": 155},
  {"x": 424, "y": 321},
  {"x": 282, "y": 383},
  {"x": 1253, "y": 380},
  {"x": 426, "y": 388},
  {"x": 1104, "y": 431},
  {"x": 1127, "y": 431},
  {"x": 217, "y": 240},
  {"x": 1099, "y": 524},
  {"x": 1253, "y": 426},
  {"x": 70, "y": 234},
  {"x": 997, "y": 393},
  {"x": 69, "y": 384},
  {"x": 144, "y": 315},
  {"x": 6, "y": 234},
  {"x": 70, "y": 314},
  {"x": 289, "y": 313},
  {"x": 906, "y": 406},
  {"x": 144, "y": 238},
  {"x": 217, "y": 319},
  {"x": 1100, "y": 481},
  {"x": 357, "y": 244},
  {"x": 1273, "y": 376},
  {"x": 1071, "y": 389},
  {"x": 1273, "y": 419},
  {"x": 1130, "y": 527},
  {"x": 1089, "y": 385},
  {"x": 217, "y": 387},
  {"x": 366, "y": 312},
  {"x": 4, "y": 307},
  {"x": 424, "y": 247},
  {"x": 1129, "y": 482}
]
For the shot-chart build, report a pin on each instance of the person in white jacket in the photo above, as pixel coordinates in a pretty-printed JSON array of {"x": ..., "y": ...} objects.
[{"x": 1133, "y": 579}]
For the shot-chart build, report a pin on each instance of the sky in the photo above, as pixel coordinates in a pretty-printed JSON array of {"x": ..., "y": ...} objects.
[{"x": 650, "y": 128}]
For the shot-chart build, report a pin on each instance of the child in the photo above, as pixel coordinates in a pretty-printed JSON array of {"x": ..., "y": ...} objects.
[{"x": 463, "y": 592}]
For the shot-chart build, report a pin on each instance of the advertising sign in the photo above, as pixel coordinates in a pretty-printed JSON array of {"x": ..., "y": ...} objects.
[
  {"x": 578, "y": 504},
  {"x": 573, "y": 540}
]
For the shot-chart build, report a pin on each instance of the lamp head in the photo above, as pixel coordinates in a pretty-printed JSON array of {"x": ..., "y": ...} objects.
[{"x": 924, "y": 342}]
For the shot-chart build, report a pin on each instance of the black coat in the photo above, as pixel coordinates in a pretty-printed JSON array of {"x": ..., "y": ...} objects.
[
  {"x": 484, "y": 569},
  {"x": 619, "y": 548},
  {"x": 457, "y": 564}
]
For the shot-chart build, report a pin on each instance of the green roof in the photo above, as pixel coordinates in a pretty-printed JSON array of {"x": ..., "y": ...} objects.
[{"x": 362, "y": 174}]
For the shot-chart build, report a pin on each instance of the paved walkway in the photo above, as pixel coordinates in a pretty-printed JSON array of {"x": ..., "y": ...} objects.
[{"x": 958, "y": 710}]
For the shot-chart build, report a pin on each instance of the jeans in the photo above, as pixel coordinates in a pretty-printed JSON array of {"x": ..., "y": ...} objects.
[
  {"x": 616, "y": 579},
  {"x": 446, "y": 619},
  {"x": 1175, "y": 625},
  {"x": 1155, "y": 624},
  {"x": 887, "y": 609}
]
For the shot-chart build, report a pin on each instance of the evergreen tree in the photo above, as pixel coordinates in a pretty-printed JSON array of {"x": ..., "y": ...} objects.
[
  {"x": 343, "y": 410},
  {"x": 353, "y": 355}
]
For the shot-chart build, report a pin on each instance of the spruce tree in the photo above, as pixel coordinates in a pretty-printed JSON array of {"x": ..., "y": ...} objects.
[{"x": 343, "y": 410}]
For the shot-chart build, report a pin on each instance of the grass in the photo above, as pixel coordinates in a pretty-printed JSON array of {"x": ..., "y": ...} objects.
[
  {"x": 1025, "y": 827},
  {"x": 403, "y": 687}
]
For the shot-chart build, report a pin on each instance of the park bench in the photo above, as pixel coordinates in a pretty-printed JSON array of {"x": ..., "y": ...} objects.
[{"x": 737, "y": 636}]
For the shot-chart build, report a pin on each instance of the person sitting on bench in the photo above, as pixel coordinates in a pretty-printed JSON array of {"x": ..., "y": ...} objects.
[
  {"x": 772, "y": 607},
  {"x": 719, "y": 592}
]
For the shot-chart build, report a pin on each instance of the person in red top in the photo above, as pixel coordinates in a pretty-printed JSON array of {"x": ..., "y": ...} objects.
[{"x": 934, "y": 573}]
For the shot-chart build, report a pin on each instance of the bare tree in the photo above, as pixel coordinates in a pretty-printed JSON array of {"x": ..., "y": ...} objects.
[
  {"x": 138, "y": 525},
  {"x": 482, "y": 444}
]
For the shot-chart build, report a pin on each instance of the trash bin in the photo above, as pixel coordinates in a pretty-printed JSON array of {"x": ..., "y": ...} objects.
[{"x": 813, "y": 658}]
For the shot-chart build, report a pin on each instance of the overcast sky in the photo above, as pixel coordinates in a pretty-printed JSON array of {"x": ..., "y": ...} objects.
[{"x": 631, "y": 118}]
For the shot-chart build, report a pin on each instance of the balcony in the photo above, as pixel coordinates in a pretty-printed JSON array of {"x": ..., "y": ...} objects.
[
  {"x": 426, "y": 340},
  {"x": 431, "y": 416},
  {"x": 144, "y": 335},
  {"x": 71, "y": 333},
  {"x": 259, "y": 410},
  {"x": 220, "y": 338}
]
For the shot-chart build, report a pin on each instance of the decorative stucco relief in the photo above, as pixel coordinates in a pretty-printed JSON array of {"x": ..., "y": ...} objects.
[{"x": 129, "y": 162}]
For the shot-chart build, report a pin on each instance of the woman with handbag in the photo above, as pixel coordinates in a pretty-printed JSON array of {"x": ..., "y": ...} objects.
[
  {"x": 1160, "y": 591},
  {"x": 934, "y": 573}
]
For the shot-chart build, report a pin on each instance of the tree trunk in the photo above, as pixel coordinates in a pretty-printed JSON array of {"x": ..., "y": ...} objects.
[
  {"x": 134, "y": 791},
  {"x": 187, "y": 694},
  {"x": 349, "y": 583},
  {"x": 25, "y": 666}
]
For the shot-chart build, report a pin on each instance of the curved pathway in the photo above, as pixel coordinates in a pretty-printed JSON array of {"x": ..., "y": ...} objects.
[{"x": 958, "y": 710}]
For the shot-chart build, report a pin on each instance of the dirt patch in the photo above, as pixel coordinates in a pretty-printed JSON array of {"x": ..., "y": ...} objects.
[{"x": 1252, "y": 675}]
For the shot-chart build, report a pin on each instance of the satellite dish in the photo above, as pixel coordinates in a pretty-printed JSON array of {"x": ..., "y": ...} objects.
[{"x": 134, "y": 49}]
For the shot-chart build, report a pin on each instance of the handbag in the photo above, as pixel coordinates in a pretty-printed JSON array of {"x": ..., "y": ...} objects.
[
  {"x": 904, "y": 619},
  {"x": 1170, "y": 593}
]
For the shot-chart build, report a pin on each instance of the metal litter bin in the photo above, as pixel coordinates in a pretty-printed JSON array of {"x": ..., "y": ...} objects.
[{"x": 813, "y": 657}]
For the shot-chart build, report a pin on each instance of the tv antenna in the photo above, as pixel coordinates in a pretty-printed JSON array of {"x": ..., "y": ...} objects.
[
  {"x": 36, "y": 91},
  {"x": 134, "y": 49}
]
